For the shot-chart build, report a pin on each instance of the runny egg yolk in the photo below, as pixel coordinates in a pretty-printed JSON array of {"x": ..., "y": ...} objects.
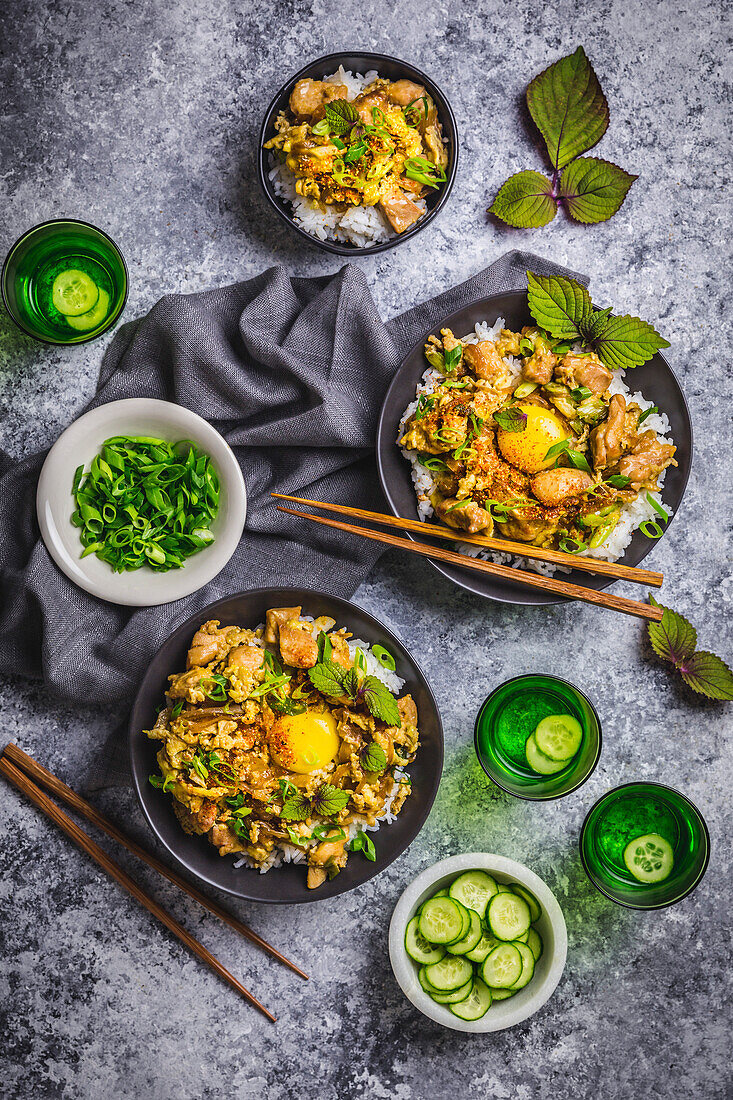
[
  {"x": 304, "y": 743},
  {"x": 527, "y": 449}
]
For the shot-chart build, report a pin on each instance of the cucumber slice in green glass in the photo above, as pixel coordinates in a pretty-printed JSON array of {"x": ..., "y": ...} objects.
[
  {"x": 540, "y": 763},
  {"x": 87, "y": 321},
  {"x": 650, "y": 858},
  {"x": 558, "y": 736},
  {"x": 74, "y": 293}
]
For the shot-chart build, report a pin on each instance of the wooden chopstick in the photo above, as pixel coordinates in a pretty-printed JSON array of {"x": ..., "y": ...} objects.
[
  {"x": 58, "y": 788},
  {"x": 520, "y": 549},
  {"x": 85, "y": 842},
  {"x": 533, "y": 580}
]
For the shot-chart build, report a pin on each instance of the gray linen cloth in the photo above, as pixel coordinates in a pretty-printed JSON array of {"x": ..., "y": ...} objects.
[{"x": 292, "y": 372}]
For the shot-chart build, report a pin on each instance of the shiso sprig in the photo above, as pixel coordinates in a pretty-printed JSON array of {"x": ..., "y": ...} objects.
[
  {"x": 568, "y": 107},
  {"x": 674, "y": 639}
]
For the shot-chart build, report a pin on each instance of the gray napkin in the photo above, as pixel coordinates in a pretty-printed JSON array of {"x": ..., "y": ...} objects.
[{"x": 292, "y": 372}]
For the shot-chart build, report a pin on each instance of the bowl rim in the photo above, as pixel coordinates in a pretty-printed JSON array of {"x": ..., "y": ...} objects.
[
  {"x": 546, "y": 797},
  {"x": 112, "y": 319},
  {"x": 469, "y": 583},
  {"x": 203, "y": 432},
  {"x": 662, "y": 905},
  {"x": 334, "y": 246},
  {"x": 405, "y": 969},
  {"x": 381, "y": 863}
]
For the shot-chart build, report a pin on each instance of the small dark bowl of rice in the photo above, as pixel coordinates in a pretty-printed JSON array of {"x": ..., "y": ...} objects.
[{"x": 368, "y": 230}]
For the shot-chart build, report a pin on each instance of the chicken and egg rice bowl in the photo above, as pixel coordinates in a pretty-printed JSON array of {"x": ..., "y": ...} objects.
[
  {"x": 356, "y": 155},
  {"x": 286, "y": 743},
  {"x": 530, "y": 439}
]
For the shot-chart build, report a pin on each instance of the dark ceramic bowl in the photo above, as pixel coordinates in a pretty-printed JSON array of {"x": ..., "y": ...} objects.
[
  {"x": 286, "y": 883},
  {"x": 392, "y": 69},
  {"x": 654, "y": 379}
]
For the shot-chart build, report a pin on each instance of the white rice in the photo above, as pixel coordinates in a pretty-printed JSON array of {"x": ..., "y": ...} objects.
[
  {"x": 632, "y": 515},
  {"x": 291, "y": 853},
  {"x": 358, "y": 225}
]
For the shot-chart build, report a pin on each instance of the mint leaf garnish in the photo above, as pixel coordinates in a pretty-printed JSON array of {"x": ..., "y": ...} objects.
[
  {"x": 627, "y": 342},
  {"x": 674, "y": 639},
  {"x": 525, "y": 201},
  {"x": 559, "y": 305},
  {"x": 374, "y": 758},
  {"x": 568, "y": 107},
  {"x": 594, "y": 189},
  {"x": 708, "y": 675},
  {"x": 329, "y": 801},
  {"x": 380, "y": 701}
]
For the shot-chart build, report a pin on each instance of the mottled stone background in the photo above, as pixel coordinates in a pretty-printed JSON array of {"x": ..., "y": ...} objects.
[{"x": 142, "y": 117}]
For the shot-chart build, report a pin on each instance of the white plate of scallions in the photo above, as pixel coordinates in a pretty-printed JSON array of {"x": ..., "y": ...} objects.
[{"x": 141, "y": 502}]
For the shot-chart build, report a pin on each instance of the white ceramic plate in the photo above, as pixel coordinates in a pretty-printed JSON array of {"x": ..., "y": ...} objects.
[
  {"x": 551, "y": 927},
  {"x": 55, "y": 504}
]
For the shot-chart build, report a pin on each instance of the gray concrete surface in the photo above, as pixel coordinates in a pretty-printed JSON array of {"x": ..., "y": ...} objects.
[{"x": 142, "y": 118}]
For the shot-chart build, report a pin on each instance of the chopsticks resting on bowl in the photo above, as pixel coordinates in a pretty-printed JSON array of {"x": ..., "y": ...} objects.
[
  {"x": 519, "y": 549},
  {"x": 532, "y": 580},
  {"x": 12, "y": 756}
]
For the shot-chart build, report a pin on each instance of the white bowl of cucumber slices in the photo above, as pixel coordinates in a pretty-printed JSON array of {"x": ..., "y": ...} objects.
[{"x": 478, "y": 942}]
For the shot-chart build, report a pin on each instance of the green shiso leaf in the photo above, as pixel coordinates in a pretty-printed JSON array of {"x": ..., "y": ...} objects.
[
  {"x": 559, "y": 305},
  {"x": 708, "y": 675},
  {"x": 568, "y": 107},
  {"x": 674, "y": 638},
  {"x": 329, "y": 800},
  {"x": 380, "y": 701},
  {"x": 594, "y": 189},
  {"x": 374, "y": 758},
  {"x": 627, "y": 342},
  {"x": 525, "y": 201}
]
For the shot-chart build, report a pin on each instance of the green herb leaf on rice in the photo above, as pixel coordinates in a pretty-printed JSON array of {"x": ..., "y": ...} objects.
[
  {"x": 328, "y": 678},
  {"x": 525, "y": 201},
  {"x": 296, "y": 808},
  {"x": 511, "y": 419},
  {"x": 380, "y": 701},
  {"x": 593, "y": 190},
  {"x": 341, "y": 115},
  {"x": 374, "y": 758},
  {"x": 329, "y": 800}
]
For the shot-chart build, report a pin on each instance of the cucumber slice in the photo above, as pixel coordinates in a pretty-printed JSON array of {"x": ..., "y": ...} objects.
[
  {"x": 441, "y": 893},
  {"x": 501, "y": 994},
  {"x": 466, "y": 914},
  {"x": 527, "y": 966},
  {"x": 559, "y": 736},
  {"x": 449, "y": 974},
  {"x": 420, "y": 949},
  {"x": 650, "y": 858},
  {"x": 87, "y": 321},
  {"x": 534, "y": 943},
  {"x": 523, "y": 938},
  {"x": 502, "y": 966},
  {"x": 473, "y": 889},
  {"x": 471, "y": 939},
  {"x": 502, "y": 888},
  {"x": 441, "y": 921},
  {"x": 476, "y": 1005},
  {"x": 486, "y": 943},
  {"x": 453, "y": 998},
  {"x": 535, "y": 909},
  {"x": 508, "y": 917},
  {"x": 540, "y": 763},
  {"x": 74, "y": 293}
]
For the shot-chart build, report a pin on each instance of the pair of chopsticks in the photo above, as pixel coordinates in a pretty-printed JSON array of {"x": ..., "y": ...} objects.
[
  {"x": 532, "y": 580},
  {"x": 21, "y": 770}
]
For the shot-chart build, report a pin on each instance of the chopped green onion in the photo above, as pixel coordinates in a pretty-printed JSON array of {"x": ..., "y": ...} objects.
[
  {"x": 651, "y": 529},
  {"x": 572, "y": 545},
  {"x": 646, "y": 413},
  {"x": 424, "y": 172},
  {"x": 581, "y": 393},
  {"x": 618, "y": 481},
  {"x": 384, "y": 657},
  {"x": 657, "y": 507},
  {"x": 524, "y": 389}
]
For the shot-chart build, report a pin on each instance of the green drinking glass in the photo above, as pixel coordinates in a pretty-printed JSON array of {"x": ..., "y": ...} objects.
[
  {"x": 538, "y": 737},
  {"x": 644, "y": 845},
  {"x": 64, "y": 282}
]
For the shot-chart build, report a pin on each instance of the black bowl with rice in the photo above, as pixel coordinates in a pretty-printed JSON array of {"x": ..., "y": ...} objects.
[{"x": 352, "y": 229}]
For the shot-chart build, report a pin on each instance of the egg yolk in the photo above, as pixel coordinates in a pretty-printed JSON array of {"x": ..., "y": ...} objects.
[
  {"x": 304, "y": 743},
  {"x": 527, "y": 449}
]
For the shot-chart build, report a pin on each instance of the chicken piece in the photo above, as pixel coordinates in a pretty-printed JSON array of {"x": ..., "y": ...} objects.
[
  {"x": 526, "y": 525},
  {"x": 400, "y": 210},
  {"x": 465, "y": 515},
  {"x": 209, "y": 643},
  {"x": 330, "y": 855},
  {"x": 187, "y": 685},
  {"x": 584, "y": 370},
  {"x": 340, "y": 651},
  {"x": 646, "y": 460},
  {"x": 508, "y": 342},
  {"x": 405, "y": 92},
  {"x": 540, "y": 365},
  {"x": 298, "y": 647},
  {"x": 275, "y": 617},
  {"x": 309, "y": 96},
  {"x": 225, "y": 840},
  {"x": 606, "y": 441},
  {"x": 246, "y": 658},
  {"x": 483, "y": 359},
  {"x": 552, "y": 487}
]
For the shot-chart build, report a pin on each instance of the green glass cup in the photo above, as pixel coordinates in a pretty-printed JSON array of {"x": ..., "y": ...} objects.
[
  {"x": 51, "y": 252},
  {"x": 510, "y": 716},
  {"x": 636, "y": 811}
]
